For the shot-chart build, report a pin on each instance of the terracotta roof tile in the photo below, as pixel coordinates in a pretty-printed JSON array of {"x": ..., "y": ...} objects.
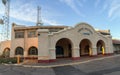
[{"x": 115, "y": 41}]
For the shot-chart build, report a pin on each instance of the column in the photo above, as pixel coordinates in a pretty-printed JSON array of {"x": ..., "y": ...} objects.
[
  {"x": 25, "y": 54},
  {"x": 52, "y": 54},
  {"x": 43, "y": 44},
  {"x": 25, "y": 45},
  {"x": 75, "y": 53},
  {"x": 94, "y": 51},
  {"x": 109, "y": 50},
  {"x": 12, "y": 51}
]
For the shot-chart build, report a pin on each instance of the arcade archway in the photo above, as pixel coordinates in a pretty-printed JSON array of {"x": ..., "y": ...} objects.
[
  {"x": 64, "y": 48},
  {"x": 85, "y": 47},
  {"x": 100, "y": 47}
]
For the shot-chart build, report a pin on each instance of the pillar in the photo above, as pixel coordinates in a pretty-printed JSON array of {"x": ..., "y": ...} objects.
[
  {"x": 94, "y": 51},
  {"x": 25, "y": 45},
  {"x": 43, "y": 46},
  {"x": 110, "y": 45},
  {"x": 52, "y": 53},
  {"x": 75, "y": 53}
]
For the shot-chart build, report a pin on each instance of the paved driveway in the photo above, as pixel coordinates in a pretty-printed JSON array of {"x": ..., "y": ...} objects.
[{"x": 108, "y": 66}]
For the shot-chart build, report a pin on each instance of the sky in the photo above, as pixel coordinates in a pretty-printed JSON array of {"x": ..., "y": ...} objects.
[{"x": 101, "y": 14}]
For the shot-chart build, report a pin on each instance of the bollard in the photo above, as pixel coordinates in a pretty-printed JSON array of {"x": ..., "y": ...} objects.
[
  {"x": 18, "y": 59},
  {"x": 103, "y": 50}
]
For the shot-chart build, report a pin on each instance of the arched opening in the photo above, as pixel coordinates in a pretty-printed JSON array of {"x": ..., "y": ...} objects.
[
  {"x": 85, "y": 47},
  {"x": 19, "y": 51},
  {"x": 6, "y": 52},
  {"x": 100, "y": 47},
  {"x": 63, "y": 48},
  {"x": 33, "y": 51}
]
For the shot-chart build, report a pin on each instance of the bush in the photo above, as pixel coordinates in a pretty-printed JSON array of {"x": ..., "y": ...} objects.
[{"x": 8, "y": 60}]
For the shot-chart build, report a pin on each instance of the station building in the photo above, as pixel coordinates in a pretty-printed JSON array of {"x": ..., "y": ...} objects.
[
  {"x": 5, "y": 47},
  {"x": 116, "y": 46},
  {"x": 48, "y": 43}
]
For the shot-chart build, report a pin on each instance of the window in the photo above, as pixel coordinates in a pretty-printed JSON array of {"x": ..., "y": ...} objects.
[
  {"x": 32, "y": 34},
  {"x": 19, "y": 51},
  {"x": 33, "y": 51},
  {"x": 19, "y": 34},
  {"x": 6, "y": 52}
]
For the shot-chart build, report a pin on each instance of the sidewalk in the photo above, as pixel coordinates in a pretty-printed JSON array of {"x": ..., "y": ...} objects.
[{"x": 68, "y": 61}]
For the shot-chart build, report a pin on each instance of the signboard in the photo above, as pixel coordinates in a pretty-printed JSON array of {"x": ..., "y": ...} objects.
[{"x": 85, "y": 31}]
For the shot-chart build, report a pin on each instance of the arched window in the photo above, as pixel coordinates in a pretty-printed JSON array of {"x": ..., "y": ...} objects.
[
  {"x": 6, "y": 52},
  {"x": 32, "y": 51},
  {"x": 19, "y": 51}
]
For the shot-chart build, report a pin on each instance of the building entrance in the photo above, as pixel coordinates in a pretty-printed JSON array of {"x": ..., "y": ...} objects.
[
  {"x": 63, "y": 48},
  {"x": 85, "y": 47}
]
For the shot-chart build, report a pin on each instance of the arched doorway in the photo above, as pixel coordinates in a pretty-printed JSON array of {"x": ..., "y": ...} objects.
[
  {"x": 6, "y": 52},
  {"x": 85, "y": 47},
  {"x": 100, "y": 46},
  {"x": 63, "y": 48}
]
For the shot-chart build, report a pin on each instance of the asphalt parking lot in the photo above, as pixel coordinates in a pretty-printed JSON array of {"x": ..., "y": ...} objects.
[{"x": 106, "y": 66}]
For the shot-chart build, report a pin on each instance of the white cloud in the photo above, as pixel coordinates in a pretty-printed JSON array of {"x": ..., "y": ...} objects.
[
  {"x": 27, "y": 12},
  {"x": 1, "y": 9},
  {"x": 111, "y": 7},
  {"x": 104, "y": 8},
  {"x": 114, "y": 9},
  {"x": 51, "y": 22},
  {"x": 24, "y": 13},
  {"x": 73, "y": 4}
]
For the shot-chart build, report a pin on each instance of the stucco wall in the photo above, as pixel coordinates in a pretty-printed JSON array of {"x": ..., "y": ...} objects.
[
  {"x": 4, "y": 45},
  {"x": 46, "y": 42},
  {"x": 25, "y": 43},
  {"x": 77, "y": 34}
]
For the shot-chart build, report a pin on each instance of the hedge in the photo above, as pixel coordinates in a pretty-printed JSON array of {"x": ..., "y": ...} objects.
[{"x": 9, "y": 60}]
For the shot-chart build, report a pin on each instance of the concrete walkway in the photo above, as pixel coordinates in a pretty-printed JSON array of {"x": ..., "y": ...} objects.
[
  {"x": 104, "y": 65},
  {"x": 66, "y": 62}
]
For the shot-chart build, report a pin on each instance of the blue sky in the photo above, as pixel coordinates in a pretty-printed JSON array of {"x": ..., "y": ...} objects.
[{"x": 101, "y": 14}]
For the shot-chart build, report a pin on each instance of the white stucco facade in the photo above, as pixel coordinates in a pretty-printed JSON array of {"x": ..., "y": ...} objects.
[
  {"x": 48, "y": 43},
  {"x": 75, "y": 35}
]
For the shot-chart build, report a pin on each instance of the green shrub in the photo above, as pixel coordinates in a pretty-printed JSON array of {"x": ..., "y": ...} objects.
[{"x": 8, "y": 60}]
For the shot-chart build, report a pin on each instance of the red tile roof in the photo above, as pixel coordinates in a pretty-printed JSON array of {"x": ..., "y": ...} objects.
[{"x": 115, "y": 41}]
